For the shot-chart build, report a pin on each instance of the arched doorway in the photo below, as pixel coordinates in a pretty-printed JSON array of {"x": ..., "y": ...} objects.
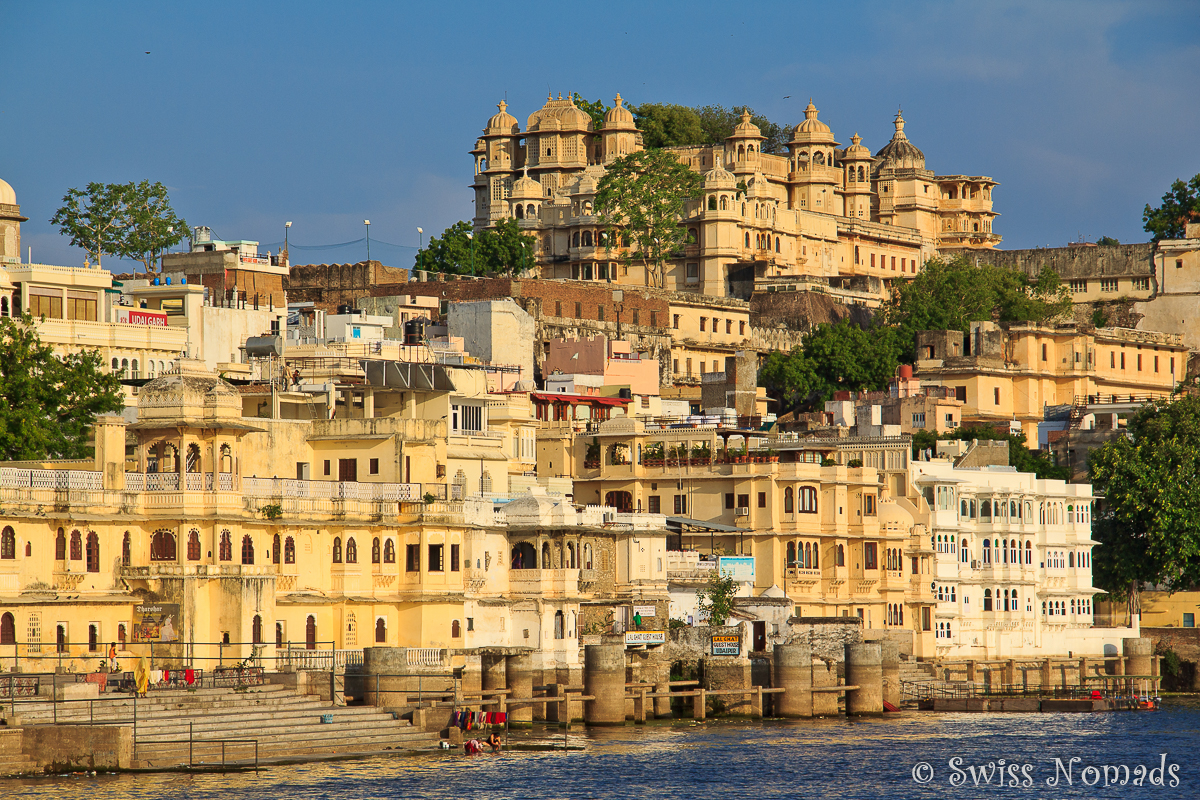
[
  {"x": 380, "y": 631},
  {"x": 524, "y": 556},
  {"x": 310, "y": 633},
  {"x": 621, "y": 501},
  {"x": 8, "y": 629}
]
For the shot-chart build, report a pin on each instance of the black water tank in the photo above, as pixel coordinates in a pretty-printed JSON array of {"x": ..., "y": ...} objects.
[
  {"x": 414, "y": 331},
  {"x": 626, "y": 394},
  {"x": 343, "y": 309}
]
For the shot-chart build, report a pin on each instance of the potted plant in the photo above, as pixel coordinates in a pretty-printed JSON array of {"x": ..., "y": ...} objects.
[{"x": 591, "y": 459}]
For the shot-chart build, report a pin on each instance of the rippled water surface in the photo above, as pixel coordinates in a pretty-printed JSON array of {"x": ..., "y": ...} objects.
[{"x": 818, "y": 759}]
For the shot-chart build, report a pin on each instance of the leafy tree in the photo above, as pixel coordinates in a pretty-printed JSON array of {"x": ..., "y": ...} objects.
[
  {"x": 151, "y": 226},
  {"x": 1179, "y": 206},
  {"x": 596, "y": 110},
  {"x": 715, "y": 600},
  {"x": 50, "y": 402},
  {"x": 503, "y": 248},
  {"x": 833, "y": 358},
  {"x": 93, "y": 219},
  {"x": 667, "y": 125},
  {"x": 949, "y": 295},
  {"x": 130, "y": 220},
  {"x": 718, "y": 123},
  {"x": 1149, "y": 524},
  {"x": 1107, "y": 241},
  {"x": 642, "y": 197}
]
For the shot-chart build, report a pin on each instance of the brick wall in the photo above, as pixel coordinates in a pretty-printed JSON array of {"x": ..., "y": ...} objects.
[
  {"x": 801, "y": 311},
  {"x": 331, "y": 285}
]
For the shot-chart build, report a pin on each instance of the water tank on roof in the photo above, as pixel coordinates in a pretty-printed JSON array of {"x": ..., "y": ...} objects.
[
  {"x": 414, "y": 331},
  {"x": 264, "y": 346},
  {"x": 906, "y": 371},
  {"x": 626, "y": 394},
  {"x": 343, "y": 309}
]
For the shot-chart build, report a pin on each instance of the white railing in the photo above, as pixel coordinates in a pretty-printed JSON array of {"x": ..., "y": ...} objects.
[
  {"x": 321, "y": 660},
  {"x": 423, "y": 657},
  {"x": 329, "y": 490},
  {"x": 159, "y": 481},
  {"x": 13, "y": 478}
]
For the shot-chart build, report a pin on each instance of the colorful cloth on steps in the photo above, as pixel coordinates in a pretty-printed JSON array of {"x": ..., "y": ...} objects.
[{"x": 189, "y": 676}]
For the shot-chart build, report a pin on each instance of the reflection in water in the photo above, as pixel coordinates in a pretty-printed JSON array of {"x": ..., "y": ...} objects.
[{"x": 831, "y": 758}]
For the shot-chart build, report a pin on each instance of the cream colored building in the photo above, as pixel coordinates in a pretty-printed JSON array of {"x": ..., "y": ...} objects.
[
  {"x": 1012, "y": 563},
  {"x": 840, "y": 216}
]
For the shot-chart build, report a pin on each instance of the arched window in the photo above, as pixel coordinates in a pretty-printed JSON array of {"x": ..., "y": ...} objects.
[
  {"x": 8, "y": 629},
  {"x": 455, "y": 629},
  {"x": 560, "y": 631},
  {"x": 256, "y": 630},
  {"x": 126, "y": 548},
  {"x": 289, "y": 550},
  {"x": 791, "y": 554},
  {"x": 193, "y": 457},
  {"x": 860, "y": 174},
  {"x": 337, "y": 549},
  {"x": 279, "y": 634},
  {"x": 571, "y": 555},
  {"x": 816, "y": 561},
  {"x": 724, "y": 203},
  {"x": 575, "y": 239},
  {"x": 1071, "y": 559},
  {"x": 1013, "y": 603},
  {"x": 545, "y": 555},
  {"x": 375, "y": 553},
  {"x": 76, "y": 546},
  {"x": 226, "y": 459},
  {"x": 193, "y": 552},
  {"x": 351, "y": 551},
  {"x": 519, "y": 210},
  {"x": 529, "y": 211},
  {"x": 808, "y": 500},
  {"x": 712, "y": 202},
  {"x": 162, "y": 546},
  {"x": 789, "y": 504},
  {"x": 225, "y": 550},
  {"x": 380, "y": 631},
  {"x": 587, "y": 238},
  {"x": 275, "y": 549},
  {"x": 310, "y": 633},
  {"x": 807, "y": 555},
  {"x": 8, "y": 543},
  {"x": 93, "y": 552},
  {"x": 747, "y": 233},
  {"x": 60, "y": 545},
  {"x": 987, "y": 551},
  {"x": 841, "y": 556},
  {"x": 389, "y": 552},
  {"x": 587, "y": 556},
  {"x": 247, "y": 549},
  {"x": 987, "y": 599}
]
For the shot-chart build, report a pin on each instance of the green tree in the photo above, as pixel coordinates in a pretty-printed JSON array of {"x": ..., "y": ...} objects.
[
  {"x": 715, "y": 600},
  {"x": 130, "y": 220},
  {"x": 642, "y": 198},
  {"x": 1107, "y": 241},
  {"x": 1180, "y": 206},
  {"x": 949, "y": 295},
  {"x": 503, "y": 248},
  {"x": 93, "y": 218},
  {"x": 668, "y": 125},
  {"x": 718, "y": 123},
  {"x": 50, "y": 403},
  {"x": 596, "y": 110},
  {"x": 151, "y": 227},
  {"x": 1149, "y": 524},
  {"x": 833, "y": 358}
]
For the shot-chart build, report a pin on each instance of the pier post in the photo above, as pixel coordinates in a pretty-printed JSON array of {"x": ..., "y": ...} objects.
[
  {"x": 557, "y": 712},
  {"x": 1083, "y": 672},
  {"x": 698, "y": 705},
  {"x": 518, "y": 673},
  {"x": 604, "y": 679},
  {"x": 972, "y": 672},
  {"x": 824, "y": 704},
  {"x": 1047, "y": 676},
  {"x": 890, "y": 663},
  {"x": 1139, "y": 654},
  {"x": 793, "y": 669},
  {"x": 1010, "y": 673},
  {"x": 662, "y": 705},
  {"x": 864, "y": 669}
]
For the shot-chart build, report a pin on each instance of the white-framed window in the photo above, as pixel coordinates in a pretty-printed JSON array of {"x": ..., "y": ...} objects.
[{"x": 464, "y": 417}]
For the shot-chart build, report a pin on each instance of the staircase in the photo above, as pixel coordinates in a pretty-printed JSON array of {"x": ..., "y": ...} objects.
[
  {"x": 285, "y": 725},
  {"x": 12, "y": 760}
]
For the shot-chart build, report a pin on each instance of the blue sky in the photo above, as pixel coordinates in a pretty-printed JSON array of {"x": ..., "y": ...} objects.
[{"x": 330, "y": 113}]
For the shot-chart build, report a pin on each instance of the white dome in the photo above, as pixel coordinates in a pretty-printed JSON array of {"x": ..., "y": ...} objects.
[{"x": 7, "y": 195}]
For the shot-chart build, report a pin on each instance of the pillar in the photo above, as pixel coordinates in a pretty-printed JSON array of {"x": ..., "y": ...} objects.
[
  {"x": 792, "y": 672},
  {"x": 890, "y": 662},
  {"x": 1083, "y": 672},
  {"x": 972, "y": 673},
  {"x": 492, "y": 673},
  {"x": 1047, "y": 676},
  {"x": 1139, "y": 655},
  {"x": 824, "y": 704},
  {"x": 604, "y": 679},
  {"x": 518, "y": 672},
  {"x": 1010, "y": 672},
  {"x": 864, "y": 669},
  {"x": 557, "y": 712}
]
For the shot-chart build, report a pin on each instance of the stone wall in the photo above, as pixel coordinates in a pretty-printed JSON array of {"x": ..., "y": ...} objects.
[
  {"x": 1077, "y": 262},
  {"x": 68, "y": 748},
  {"x": 800, "y": 312},
  {"x": 331, "y": 285},
  {"x": 828, "y": 636}
]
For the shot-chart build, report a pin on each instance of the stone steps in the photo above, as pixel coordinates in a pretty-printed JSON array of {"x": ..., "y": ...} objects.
[{"x": 12, "y": 760}]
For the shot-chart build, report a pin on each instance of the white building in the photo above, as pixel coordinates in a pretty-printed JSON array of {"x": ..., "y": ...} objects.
[{"x": 1012, "y": 563}]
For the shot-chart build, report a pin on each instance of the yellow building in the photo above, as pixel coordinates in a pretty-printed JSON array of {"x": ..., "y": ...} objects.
[
  {"x": 1013, "y": 372},
  {"x": 839, "y": 216}
]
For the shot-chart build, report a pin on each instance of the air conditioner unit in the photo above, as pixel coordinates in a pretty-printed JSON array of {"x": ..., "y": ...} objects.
[
  {"x": 742, "y": 511},
  {"x": 974, "y": 564},
  {"x": 609, "y": 517}
]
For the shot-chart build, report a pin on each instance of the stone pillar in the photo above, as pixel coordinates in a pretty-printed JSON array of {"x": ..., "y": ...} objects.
[
  {"x": 556, "y": 712},
  {"x": 824, "y": 704},
  {"x": 792, "y": 672},
  {"x": 1139, "y": 655},
  {"x": 864, "y": 669},
  {"x": 890, "y": 661},
  {"x": 972, "y": 673},
  {"x": 1010, "y": 672},
  {"x": 662, "y": 705},
  {"x": 492, "y": 677},
  {"x": 1083, "y": 672},
  {"x": 604, "y": 679},
  {"x": 518, "y": 672}
]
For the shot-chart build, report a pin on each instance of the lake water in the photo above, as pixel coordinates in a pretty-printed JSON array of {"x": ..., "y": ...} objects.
[{"x": 819, "y": 759}]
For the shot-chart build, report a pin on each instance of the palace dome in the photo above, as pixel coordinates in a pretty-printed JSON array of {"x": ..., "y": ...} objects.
[
  {"x": 559, "y": 115},
  {"x": 856, "y": 150},
  {"x": 618, "y": 117},
  {"x": 502, "y": 121},
  {"x": 719, "y": 178},
  {"x": 7, "y": 195},
  {"x": 811, "y": 124},
  {"x": 746, "y": 128},
  {"x": 526, "y": 187},
  {"x": 900, "y": 152}
]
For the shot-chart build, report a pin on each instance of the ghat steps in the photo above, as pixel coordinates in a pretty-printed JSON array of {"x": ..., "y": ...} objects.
[{"x": 286, "y": 725}]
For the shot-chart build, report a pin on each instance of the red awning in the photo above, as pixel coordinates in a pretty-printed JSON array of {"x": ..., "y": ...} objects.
[{"x": 575, "y": 399}]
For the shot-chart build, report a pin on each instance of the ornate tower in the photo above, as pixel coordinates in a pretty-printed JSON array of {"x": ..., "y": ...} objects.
[
  {"x": 10, "y": 226},
  {"x": 813, "y": 178}
]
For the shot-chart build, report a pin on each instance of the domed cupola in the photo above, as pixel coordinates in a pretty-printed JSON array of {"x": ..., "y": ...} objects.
[
  {"x": 812, "y": 130},
  {"x": 619, "y": 118},
  {"x": 900, "y": 153},
  {"x": 502, "y": 122}
]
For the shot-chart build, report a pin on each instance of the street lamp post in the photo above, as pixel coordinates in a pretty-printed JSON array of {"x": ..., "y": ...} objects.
[
  {"x": 286, "y": 226},
  {"x": 421, "y": 238},
  {"x": 471, "y": 236},
  {"x": 367, "y": 222}
]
